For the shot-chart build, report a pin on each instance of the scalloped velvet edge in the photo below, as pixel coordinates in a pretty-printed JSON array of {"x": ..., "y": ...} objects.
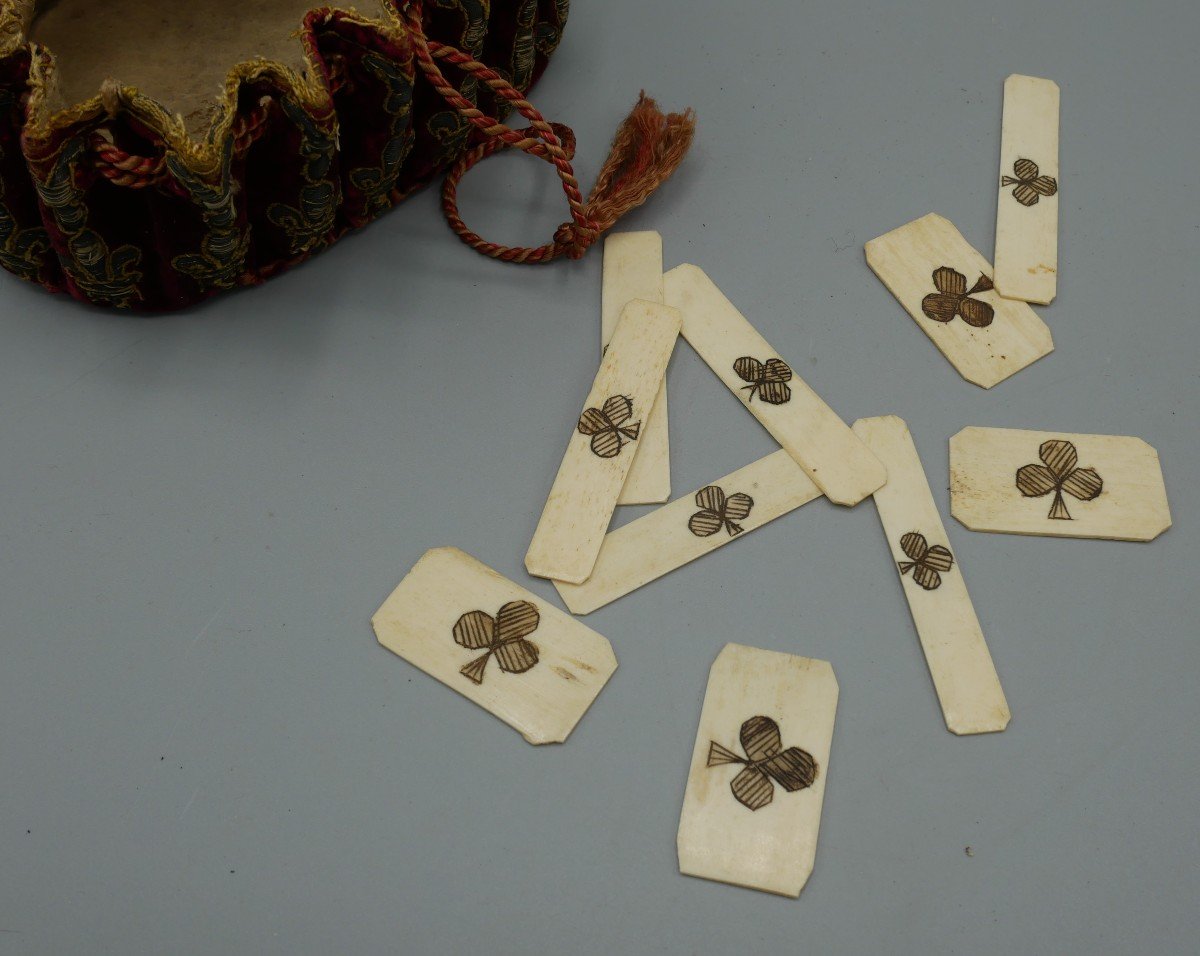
[
  {"x": 201, "y": 155},
  {"x": 88, "y": 259}
]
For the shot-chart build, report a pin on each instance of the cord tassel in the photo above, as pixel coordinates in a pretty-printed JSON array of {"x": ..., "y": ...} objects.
[{"x": 647, "y": 149}]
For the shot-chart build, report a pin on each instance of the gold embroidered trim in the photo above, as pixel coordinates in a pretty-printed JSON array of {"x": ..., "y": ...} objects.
[{"x": 202, "y": 155}]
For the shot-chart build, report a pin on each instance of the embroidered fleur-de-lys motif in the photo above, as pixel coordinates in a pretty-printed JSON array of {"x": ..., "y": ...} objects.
[
  {"x": 607, "y": 426},
  {"x": 1058, "y": 473},
  {"x": 222, "y": 256},
  {"x": 767, "y": 379},
  {"x": 765, "y": 761},
  {"x": 523, "y": 44},
  {"x": 928, "y": 563},
  {"x": 104, "y": 275},
  {"x": 448, "y": 129},
  {"x": 1030, "y": 187},
  {"x": 309, "y": 226},
  {"x": 549, "y": 29},
  {"x": 954, "y": 298},
  {"x": 475, "y": 17},
  {"x": 717, "y": 511},
  {"x": 22, "y": 251},
  {"x": 377, "y": 182},
  {"x": 502, "y": 637}
]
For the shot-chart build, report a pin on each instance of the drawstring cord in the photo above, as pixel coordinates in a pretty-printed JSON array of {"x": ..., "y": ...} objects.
[{"x": 646, "y": 150}]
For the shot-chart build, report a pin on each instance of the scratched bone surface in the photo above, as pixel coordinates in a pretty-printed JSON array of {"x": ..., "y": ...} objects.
[
  {"x": 752, "y": 807},
  {"x": 518, "y": 657}
]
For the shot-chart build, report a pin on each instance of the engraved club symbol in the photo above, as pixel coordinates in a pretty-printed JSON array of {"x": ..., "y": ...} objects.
[
  {"x": 767, "y": 379},
  {"x": 928, "y": 563},
  {"x": 717, "y": 511},
  {"x": 607, "y": 426},
  {"x": 953, "y": 298},
  {"x": 503, "y": 636},
  {"x": 1058, "y": 473},
  {"x": 765, "y": 761},
  {"x": 1030, "y": 186}
]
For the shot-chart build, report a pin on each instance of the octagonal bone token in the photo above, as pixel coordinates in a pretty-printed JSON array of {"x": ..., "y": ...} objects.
[
  {"x": 752, "y": 808},
  {"x": 1059, "y": 484},
  {"x": 946, "y": 286},
  {"x": 499, "y": 645}
]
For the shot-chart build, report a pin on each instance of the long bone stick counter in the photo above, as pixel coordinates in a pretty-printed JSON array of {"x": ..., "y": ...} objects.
[
  {"x": 811, "y": 432},
  {"x": 600, "y": 453}
]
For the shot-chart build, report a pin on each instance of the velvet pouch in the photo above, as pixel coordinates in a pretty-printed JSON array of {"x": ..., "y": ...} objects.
[{"x": 153, "y": 154}]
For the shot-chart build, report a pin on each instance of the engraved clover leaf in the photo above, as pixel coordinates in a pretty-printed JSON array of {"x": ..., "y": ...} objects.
[
  {"x": 717, "y": 511},
  {"x": 1030, "y": 186},
  {"x": 768, "y": 379},
  {"x": 502, "y": 636},
  {"x": 765, "y": 761},
  {"x": 607, "y": 428},
  {"x": 1059, "y": 473},
  {"x": 928, "y": 563},
  {"x": 953, "y": 298}
]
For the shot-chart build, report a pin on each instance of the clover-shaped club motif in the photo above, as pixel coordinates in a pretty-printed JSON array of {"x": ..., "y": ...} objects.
[
  {"x": 928, "y": 563},
  {"x": 953, "y": 298},
  {"x": 765, "y": 761},
  {"x": 502, "y": 636},
  {"x": 767, "y": 379},
  {"x": 717, "y": 511},
  {"x": 1059, "y": 473},
  {"x": 607, "y": 428},
  {"x": 1030, "y": 187}
]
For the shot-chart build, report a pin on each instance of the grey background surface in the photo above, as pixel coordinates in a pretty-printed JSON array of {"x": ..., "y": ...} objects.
[{"x": 202, "y": 747}]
